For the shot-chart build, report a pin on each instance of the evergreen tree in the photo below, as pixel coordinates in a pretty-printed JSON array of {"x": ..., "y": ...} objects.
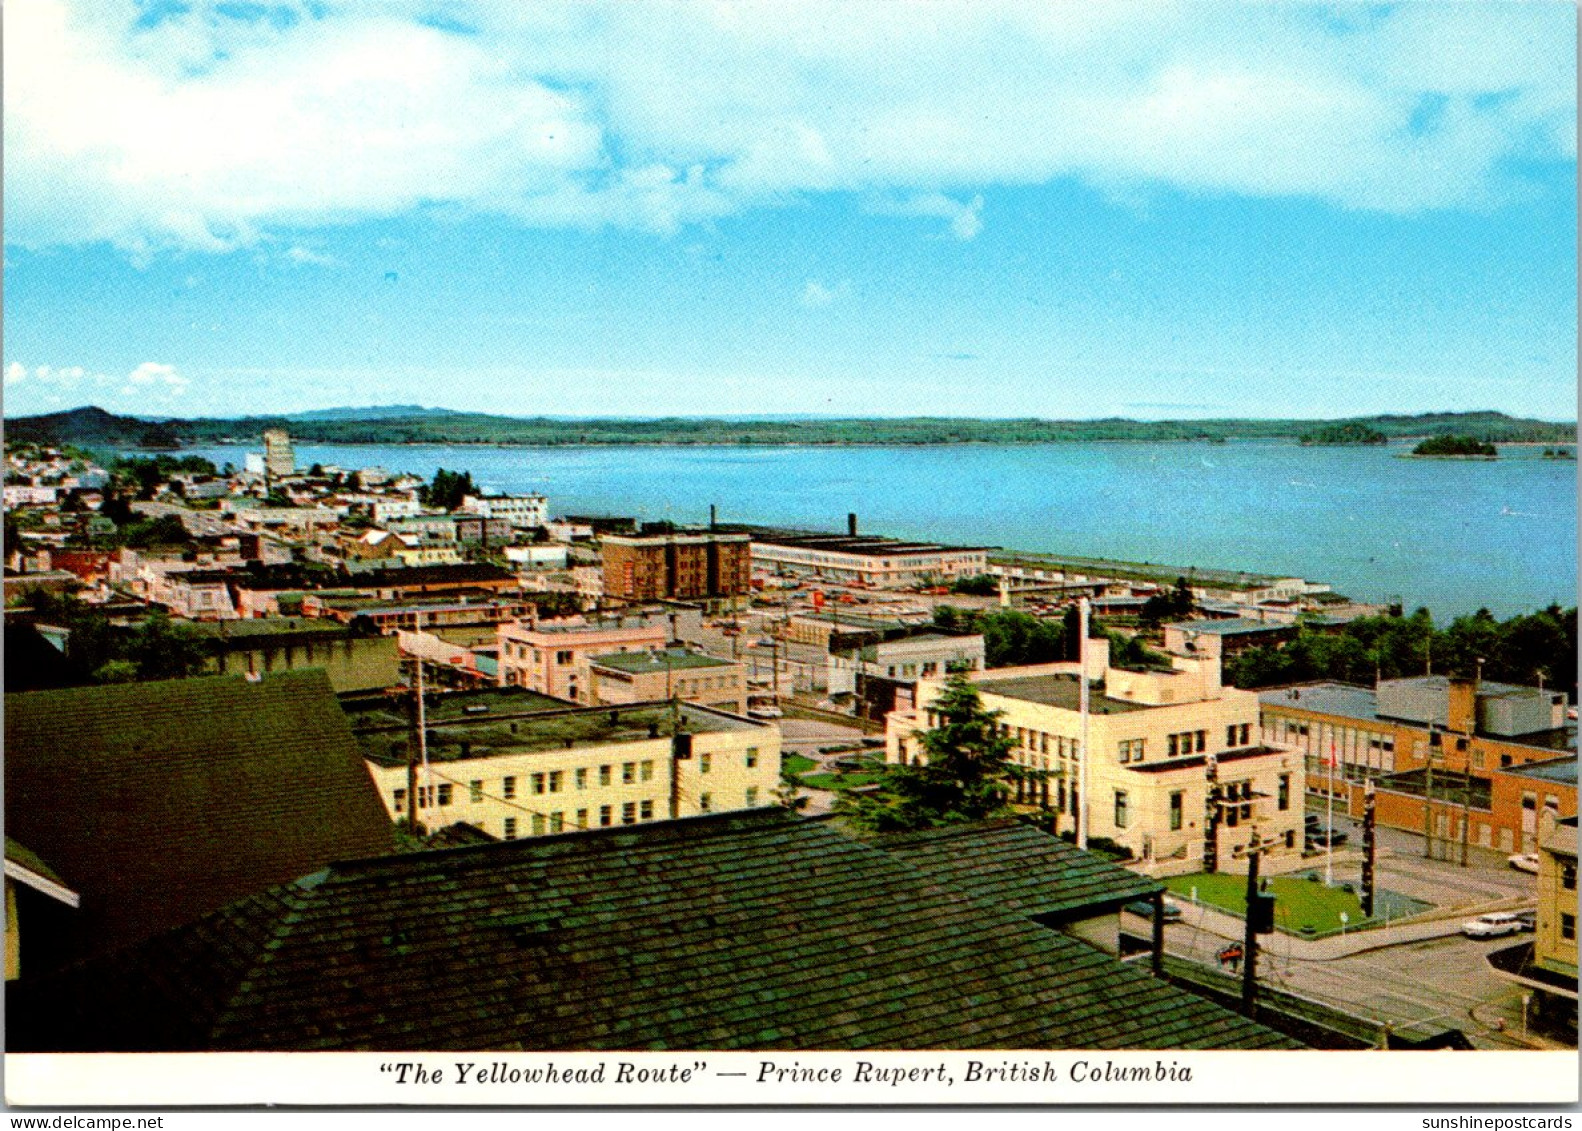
[{"x": 965, "y": 772}]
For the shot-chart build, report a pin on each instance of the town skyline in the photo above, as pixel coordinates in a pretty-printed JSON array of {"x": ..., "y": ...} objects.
[{"x": 1330, "y": 212}]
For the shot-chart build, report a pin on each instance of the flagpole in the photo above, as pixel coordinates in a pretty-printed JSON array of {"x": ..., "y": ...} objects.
[
  {"x": 1082, "y": 684},
  {"x": 1329, "y": 834}
]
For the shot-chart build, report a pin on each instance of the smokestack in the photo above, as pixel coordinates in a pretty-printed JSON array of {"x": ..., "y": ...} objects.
[
  {"x": 851, "y": 525},
  {"x": 714, "y": 517}
]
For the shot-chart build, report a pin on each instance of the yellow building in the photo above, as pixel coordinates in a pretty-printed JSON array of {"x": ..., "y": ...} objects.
[
  {"x": 553, "y": 771},
  {"x": 1546, "y": 968},
  {"x": 1160, "y": 741}
]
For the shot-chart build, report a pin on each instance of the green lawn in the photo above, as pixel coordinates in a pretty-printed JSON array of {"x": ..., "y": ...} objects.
[
  {"x": 1298, "y": 902},
  {"x": 838, "y": 781},
  {"x": 797, "y": 764}
]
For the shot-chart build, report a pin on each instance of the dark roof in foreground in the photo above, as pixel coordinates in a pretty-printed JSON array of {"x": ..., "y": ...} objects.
[
  {"x": 733, "y": 931},
  {"x": 164, "y": 801},
  {"x": 1019, "y": 868}
]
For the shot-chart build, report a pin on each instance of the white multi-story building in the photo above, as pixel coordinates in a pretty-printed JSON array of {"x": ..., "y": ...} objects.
[
  {"x": 279, "y": 460},
  {"x": 523, "y": 512}
]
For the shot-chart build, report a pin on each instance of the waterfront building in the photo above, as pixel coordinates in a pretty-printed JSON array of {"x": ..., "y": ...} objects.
[
  {"x": 1175, "y": 761},
  {"x": 279, "y": 460},
  {"x": 520, "y": 512},
  {"x": 880, "y": 563}
]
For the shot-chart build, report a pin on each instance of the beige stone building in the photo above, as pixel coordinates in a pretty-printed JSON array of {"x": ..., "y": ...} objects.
[
  {"x": 1161, "y": 741},
  {"x": 552, "y": 657},
  {"x": 670, "y": 673},
  {"x": 559, "y": 771}
]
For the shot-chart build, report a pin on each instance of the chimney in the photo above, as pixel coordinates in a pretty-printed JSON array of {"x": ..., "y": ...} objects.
[
  {"x": 714, "y": 516},
  {"x": 851, "y": 524}
]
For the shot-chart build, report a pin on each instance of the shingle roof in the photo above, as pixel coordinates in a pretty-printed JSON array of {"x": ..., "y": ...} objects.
[
  {"x": 1019, "y": 868},
  {"x": 741, "y": 931},
  {"x": 164, "y": 801}
]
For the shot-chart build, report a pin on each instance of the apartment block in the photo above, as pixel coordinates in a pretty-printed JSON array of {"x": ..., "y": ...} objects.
[
  {"x": 670, "y": 673},
  {"x": 680, "y": 566}
]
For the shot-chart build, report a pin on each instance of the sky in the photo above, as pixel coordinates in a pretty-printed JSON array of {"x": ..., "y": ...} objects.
[{"x": 867, "y": 208}]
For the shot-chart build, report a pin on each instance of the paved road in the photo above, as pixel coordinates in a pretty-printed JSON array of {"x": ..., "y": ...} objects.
[{"x": 805, "y": 737}]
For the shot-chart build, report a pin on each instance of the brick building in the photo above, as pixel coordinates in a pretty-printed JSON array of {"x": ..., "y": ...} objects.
[{"x": 683, "y": 566}]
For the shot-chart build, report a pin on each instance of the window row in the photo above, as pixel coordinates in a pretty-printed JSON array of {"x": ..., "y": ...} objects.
[{"x": 1186, "y": 742}]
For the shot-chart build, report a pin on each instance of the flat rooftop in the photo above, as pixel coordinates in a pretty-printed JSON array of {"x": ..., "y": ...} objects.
[
  {"x": 1351, "y": 701},
  {"x": 559, "y": 628},
  {"x": 1057, "y": 691},
  {"x": 565, "y": 729},
  {"x": 1237, "y": 626},
  {"x": 862, "y": 545},
  {"x": 673, "y": 659},
  {"x": 383, "y": 710}
]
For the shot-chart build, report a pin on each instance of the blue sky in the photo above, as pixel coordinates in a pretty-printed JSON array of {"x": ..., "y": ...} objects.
[{"x": 1147, "y": 210}]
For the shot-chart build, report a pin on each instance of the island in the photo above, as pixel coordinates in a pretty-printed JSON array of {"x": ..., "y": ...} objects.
[{"x": 1456, "y": 447}]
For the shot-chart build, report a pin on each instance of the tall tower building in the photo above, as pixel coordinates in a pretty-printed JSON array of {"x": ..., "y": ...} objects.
[{"x": 278, "y": 458}]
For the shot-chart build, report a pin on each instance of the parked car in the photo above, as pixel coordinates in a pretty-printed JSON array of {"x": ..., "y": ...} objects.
[
  {"x": 1144, "y": 909},
  {"x": 1524, "y": 862},
  {"x": 1492, "y": 925},
  {"x": 1528, "y": 920},
  {"x": 765, "y": 712}
]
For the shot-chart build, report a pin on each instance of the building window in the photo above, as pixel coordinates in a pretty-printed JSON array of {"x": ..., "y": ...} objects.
[
  {"x": 1479, "y": 759},
  {"x": 752, "y": 757},
  {"x": 1568, "y": 875},
  {"x": 629, "y": 813},
  {"x": 705, "y": 803},
  {"x": 557, "y": 822},
  {"x": 510, "y": 828},
  {"x": 445, "y": 794},
  {"x": 1131, "y": 750},
  {"x": 1176, "y": 800},
  {"x": 538, "y": 783},
  {"x": 628, "y": 773},
  {"x": 1202, "y": 741},
  {"x": 604, "y": 775},
  {"x": 557, "y": 778},
  {"x": 400, "y": 800},
  {"x": 1246, "y": 735},
  {"x": 1174, "y": 746},
  {"x": 605, "y": 816},
  {"x": 1283, "y": 799},
  {"x": 645, "y": 811},
  {"x": 1121, "y": 815},
  {"x": 752, "y": 796},
  {"x": 508, "y": 788},
  {"x": 475, "y": 791},
  {"x": 582, "y": 778},
  {"x": 563, "y": 657},
  {"x": 1568, "y": 927},
  {"x": 647, "y": 769},
  {"x": 1290, "y": 838},
  {"x": 704, "y": 761},
  {"x": 1230, "y": 735},
  {"x": 582, "y": 818},
  {"x": 538, "y": 824}
]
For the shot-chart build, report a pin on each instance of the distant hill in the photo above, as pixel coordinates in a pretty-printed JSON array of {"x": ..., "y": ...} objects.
[
  {"x": 90, "y": 427},
  {"x": 372, "y": 412}
]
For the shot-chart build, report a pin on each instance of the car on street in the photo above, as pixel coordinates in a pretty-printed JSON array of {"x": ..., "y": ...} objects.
[
  {"x": 1528, "y": 920},
  {"x": 1524, "y": 862},
  {"x": 1325, "y": 838},
  {"x": 1144, "y": 908},
  {"x": 1492, "y": 926}
]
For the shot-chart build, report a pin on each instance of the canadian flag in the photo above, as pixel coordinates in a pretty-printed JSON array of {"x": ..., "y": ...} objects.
[{"x": 1332, "y": 762}]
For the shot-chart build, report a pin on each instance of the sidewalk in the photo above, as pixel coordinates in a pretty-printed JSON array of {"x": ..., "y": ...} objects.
[{"x": 1230, "y": 927}]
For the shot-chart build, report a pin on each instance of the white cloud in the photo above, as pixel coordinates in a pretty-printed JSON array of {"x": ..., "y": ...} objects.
[
  {"x": 208, "y": 132},
  {"x": 153, "y": 377}
]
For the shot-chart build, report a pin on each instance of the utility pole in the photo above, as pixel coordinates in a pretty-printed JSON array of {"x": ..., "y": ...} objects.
[
  {"x": 1211, "y": 815},
  {"x": 1259, "y": 909},
  {"x": 1083, "y": 803},
  {"x": 1428, "y": 799},
  {"x": 1369, "y": 848}
]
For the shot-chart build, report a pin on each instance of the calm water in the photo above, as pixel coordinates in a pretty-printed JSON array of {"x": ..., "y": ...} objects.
[{"x": 1450, "y": 535}]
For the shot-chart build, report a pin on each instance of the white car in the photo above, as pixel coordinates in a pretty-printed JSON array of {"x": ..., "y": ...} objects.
[
  {"x": 1524, "y": 862},
  {"x": 1492, "y": 925}
]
